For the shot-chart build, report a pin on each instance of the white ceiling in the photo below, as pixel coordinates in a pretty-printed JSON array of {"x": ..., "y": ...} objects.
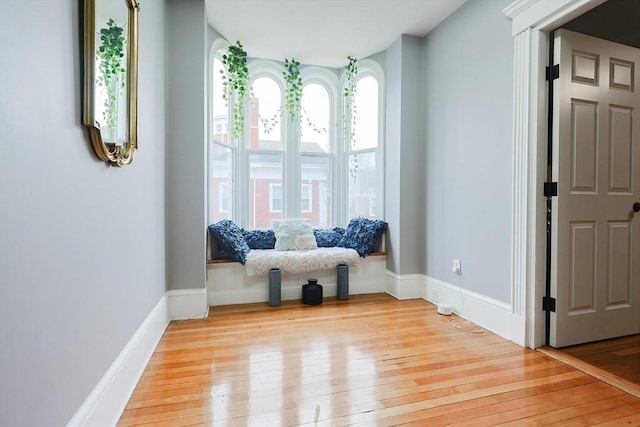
[{"x": 323, "y": 32}]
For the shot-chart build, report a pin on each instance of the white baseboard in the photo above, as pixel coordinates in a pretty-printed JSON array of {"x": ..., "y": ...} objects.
[
  {"x": 487, "y": 312},
  {"x": 107, "y": 400},
  {"x": 484, "y": 311},
  {"x": 187, "y": 303},
  {"x": 408, "y": 286}
]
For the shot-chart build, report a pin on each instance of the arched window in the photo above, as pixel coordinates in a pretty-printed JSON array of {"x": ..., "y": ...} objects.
[
  {"x": 265, "y": 150},
  {"x": 221, "y": 156},
  {"x": 316, "y": 156},
  {"x": 364, "y": 155}
]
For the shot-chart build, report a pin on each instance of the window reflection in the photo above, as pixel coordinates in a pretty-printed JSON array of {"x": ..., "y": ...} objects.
[{"x": 265, "y": 388}]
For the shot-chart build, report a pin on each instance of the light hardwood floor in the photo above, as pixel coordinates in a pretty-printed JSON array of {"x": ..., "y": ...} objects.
[
  {"x": 615, "y": 361},
  {"x": 372, "y": 360}
]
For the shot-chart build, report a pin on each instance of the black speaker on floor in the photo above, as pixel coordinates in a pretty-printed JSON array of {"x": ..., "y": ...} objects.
[{"x": 312, "y": 293}]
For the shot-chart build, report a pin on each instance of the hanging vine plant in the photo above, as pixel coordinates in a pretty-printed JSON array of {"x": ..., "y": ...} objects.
[
  {"x": 235, "y": 82},
  {"x": 310, "y": 124},
  {"x": 269, "y": 123},
  {"x": 112, "y": 71},
  {"x": 292, "y": 102},
  {"x": 293, "y": 90},
  {"x": 349, "y": 115}
]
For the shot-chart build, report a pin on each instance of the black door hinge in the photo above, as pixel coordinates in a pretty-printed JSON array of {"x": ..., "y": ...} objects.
[
  {"x": 550, "y": 189},
  {"x": 553, "y": 72},
  {"x": 548, "y": 304}
]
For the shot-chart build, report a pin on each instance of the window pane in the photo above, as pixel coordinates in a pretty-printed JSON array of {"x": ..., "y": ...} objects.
[
  {"x": 315, "y": 119},
  {"x": 316, "y": 189},
  {"x": 265, "y": 124},
  {"x": 264, "y": 170},
  {"x": 223, "y": 197},
  {"x": 305, "y": 198},
  {"x": 275, "y": 198},
  {"x": 220, "y": 186},
  {"x": 362, "y": 185},
  {"x": 220, "y": 108},
  {"x": 366, "y": 129}
]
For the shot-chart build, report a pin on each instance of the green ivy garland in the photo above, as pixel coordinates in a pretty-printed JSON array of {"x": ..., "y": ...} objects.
[
  {"x": 312, "y": 125},
  {"x": 292, "y": 102},
  {"x": 235, "y": 82},
  {"x": 111, "y": 68},
  {"x": 349, "y": 115},
  {"x": 269, "y": 124},
  {"x": 293, "y": 89}
]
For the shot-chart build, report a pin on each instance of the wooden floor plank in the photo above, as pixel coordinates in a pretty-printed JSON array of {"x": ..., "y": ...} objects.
[
  {"x": 624, "y": 379},
  {"x": 371, "y": 360}
]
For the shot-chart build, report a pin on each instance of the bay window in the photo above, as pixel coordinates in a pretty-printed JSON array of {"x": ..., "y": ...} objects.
[{"x": 277, "y": 169}]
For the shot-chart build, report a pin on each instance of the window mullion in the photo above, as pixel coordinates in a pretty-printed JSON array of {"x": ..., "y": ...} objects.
[
  {"x": 241, "y": 180},
  {"x": 292, "y": 170},
  {"x": 342, "y": 166}
]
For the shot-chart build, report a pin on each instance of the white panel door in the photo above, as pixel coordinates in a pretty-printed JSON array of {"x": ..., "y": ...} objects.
[{"x": 595, "y": 249}]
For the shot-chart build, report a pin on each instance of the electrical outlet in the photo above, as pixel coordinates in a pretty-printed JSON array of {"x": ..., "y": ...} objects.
[{"x": 457, "y": 268}]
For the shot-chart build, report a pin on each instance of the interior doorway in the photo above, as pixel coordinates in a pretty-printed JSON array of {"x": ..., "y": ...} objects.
[
  {"x": 614, "y": 20},
  {"x": 532, "y": 22},
  {"x": 593, "y": 233}
]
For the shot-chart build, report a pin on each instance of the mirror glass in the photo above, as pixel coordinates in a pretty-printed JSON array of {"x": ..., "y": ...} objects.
[
  {"x": 110, "y": 83},
  {"x": 110, "y": 107}
]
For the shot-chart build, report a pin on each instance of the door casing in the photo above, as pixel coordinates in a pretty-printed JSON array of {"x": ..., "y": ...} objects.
[{"x": 532, "y": 20}]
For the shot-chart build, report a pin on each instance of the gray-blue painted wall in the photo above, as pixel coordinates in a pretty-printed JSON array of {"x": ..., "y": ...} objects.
[
  {"x": 186, "y": 154},
  {"x": 468, "y": 89},
  {"x": 82, "y": 255},
  {"x": 404, "y": 156}
]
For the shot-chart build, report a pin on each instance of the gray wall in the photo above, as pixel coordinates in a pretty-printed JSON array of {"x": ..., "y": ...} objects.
[
  {"x": 468, "y": 89},
  {"x": 82, "y": 258},
  {"x": 186, "y": 155},
  {"x": 404, "y": 165}
]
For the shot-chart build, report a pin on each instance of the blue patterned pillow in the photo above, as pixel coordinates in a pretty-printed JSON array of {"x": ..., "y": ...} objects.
[
  {"x": 229, "y": 238},
  {"x": 362, "y": 234},
  {"x": 328, "y": 237},
  {"x": 260, "y": 239}
]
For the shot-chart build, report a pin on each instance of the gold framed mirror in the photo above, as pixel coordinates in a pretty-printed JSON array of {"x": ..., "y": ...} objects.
[{"x": 110, "y": 107}]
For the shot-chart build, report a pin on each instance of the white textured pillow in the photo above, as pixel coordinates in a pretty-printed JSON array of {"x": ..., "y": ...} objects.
[{"x": 294, "y": 235}]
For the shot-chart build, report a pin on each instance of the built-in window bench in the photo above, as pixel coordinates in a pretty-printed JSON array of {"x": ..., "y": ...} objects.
[{"x": 229, "y": 283}]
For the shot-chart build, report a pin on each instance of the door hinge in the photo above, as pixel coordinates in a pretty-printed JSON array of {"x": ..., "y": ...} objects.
[
  {"x": 548, "y": 304},
  {"x": 553, "y": 72},
  {"x": 550, "y": 189}
]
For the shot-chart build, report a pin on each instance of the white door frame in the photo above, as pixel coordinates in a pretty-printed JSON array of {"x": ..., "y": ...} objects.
[{"x": 531, "y": 22}]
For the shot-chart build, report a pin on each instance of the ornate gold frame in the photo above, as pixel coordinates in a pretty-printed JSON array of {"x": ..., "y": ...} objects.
[{"x": 114, "y": 154}]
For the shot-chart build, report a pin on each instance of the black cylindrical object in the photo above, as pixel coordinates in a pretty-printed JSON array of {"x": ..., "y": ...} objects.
[
  {"x": 343, "y": 282},
  {"x": 274, "y": 287},
  {"x": 312, "y": 293}
]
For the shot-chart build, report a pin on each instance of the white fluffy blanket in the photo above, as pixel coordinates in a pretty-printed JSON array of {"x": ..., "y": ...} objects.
[{"x": 259, "y": 261}]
